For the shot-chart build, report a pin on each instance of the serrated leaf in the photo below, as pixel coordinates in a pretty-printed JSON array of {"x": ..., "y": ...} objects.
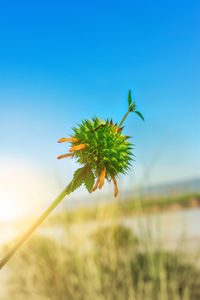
[
  {"x": 129, "y": 98},
  {"x": 139, "y": 114},
  {"x": 89, "y": 180},
  {"x": 77, "y": 180}
]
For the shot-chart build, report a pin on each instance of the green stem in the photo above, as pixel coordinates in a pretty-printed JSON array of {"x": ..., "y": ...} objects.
[
  {"x": 122, "y": 121},
  {"x": 4, "y": 259}
]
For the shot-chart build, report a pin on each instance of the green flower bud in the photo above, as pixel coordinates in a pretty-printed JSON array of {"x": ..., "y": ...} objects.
[{"x": 106, "y": 147}]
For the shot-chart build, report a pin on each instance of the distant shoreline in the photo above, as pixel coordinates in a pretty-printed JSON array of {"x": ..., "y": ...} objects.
[{"x": 129, "y": 207}]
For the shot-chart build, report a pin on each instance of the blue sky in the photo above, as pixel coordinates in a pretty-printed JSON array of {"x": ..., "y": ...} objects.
[{"x": 64, "y": 61}]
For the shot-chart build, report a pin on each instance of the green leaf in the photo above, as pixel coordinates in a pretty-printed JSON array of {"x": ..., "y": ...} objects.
[
  {"x": 77, "y": 180},
  {"x": 89, "y": 179},
  {"x": 132, "y": 107},
  {"x": 139, "y": 114},
  {"x": 129, "y": 98}
]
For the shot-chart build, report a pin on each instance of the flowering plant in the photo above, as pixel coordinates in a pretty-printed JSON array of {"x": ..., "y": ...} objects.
[{"x": 103, "y": 151}]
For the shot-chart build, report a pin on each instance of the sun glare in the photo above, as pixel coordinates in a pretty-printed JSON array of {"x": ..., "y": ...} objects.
[
  {"x": 24, "y": 189},
  {"x": 8, "y": 209}
]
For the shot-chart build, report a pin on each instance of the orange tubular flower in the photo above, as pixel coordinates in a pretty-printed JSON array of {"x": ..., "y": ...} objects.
[
  {"x": 116, "y": 191},
  {"x": 65, "y": 155},
  {"x": 78, "y": 147},
  {"x": 102, "y": 177},
  {"x": 96, "y": 185},
  {"x": 68, "y": 140}
]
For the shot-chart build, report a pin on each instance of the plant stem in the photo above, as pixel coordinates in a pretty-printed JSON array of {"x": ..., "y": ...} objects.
[
  {"x": 122, "y": 121},
  {"x": 4, "y": 259}
]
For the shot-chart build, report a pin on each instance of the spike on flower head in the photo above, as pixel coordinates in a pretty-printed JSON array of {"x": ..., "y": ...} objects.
[
  {"x": 120, "y": 129},
  {"x": 111, "y": 123}
]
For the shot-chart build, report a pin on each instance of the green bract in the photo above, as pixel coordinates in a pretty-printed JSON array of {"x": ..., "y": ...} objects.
[{"x": 106, "y": 147}]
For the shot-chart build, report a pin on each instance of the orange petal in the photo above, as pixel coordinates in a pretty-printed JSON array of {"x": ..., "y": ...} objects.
[
  {"x": 68, "y": 140},
  {"x": 78, "y": 147},
  {"x": 116, "y": 191},
  {"x": 102, "y": 177},
  {"x": 65, "y": 155},
  {"x": 96, "y": 185}
]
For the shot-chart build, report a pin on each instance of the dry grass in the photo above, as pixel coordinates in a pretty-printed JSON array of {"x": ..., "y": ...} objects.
[{"x": 111, "y": 263}]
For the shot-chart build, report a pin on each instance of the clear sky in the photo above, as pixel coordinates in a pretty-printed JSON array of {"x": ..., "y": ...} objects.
[{"x": 63, "y": 61}]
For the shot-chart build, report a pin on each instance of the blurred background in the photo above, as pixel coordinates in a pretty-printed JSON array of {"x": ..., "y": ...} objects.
[{"x": 61, "y": 62}]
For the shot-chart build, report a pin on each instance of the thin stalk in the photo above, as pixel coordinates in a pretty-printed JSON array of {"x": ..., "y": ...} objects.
[
  {"x": 122, "y": 121},
  {"x": 5, "y": 259}
]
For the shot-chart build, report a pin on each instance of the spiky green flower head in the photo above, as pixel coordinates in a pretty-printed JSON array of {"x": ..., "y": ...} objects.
[
  {"x": 106, "y": 147},
  {"x": 102, "y": 149}
]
